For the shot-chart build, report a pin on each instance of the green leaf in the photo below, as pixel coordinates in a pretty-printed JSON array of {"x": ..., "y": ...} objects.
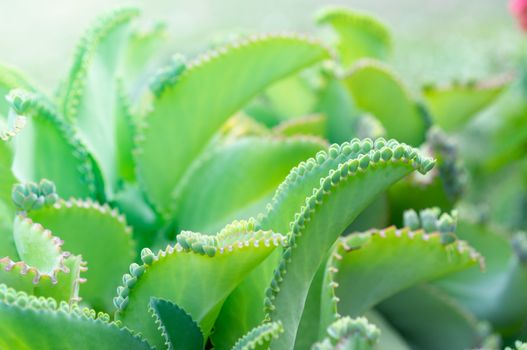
[
  {"x": 259, "y": 337},
  {"x": 43, "y": 267},
  {"x": 197, "y": 274},
  {"x": 125, "y": 132},
  {"x": 314, "y": 125},
  {"x": 178, "y": 328},
  {"x": 359, "y": 35},
  {"x": 291, "y": 97},
  {"x": 320, "y": 309},
  {"x": 349, "y": 334},
  {"x": 141, "y": 57},
  {"x": 45, "y": 133},
  {"x": 497, "y": 295},
  {"x": 342, "y": 114},
  {"x": 7, "y": 209},
  {"x": 378, "y": 91},
  {"x": 90, "y": 96},
  {"x": 243, "y": 309},
  {"x": 189, "y": 109},
  {"x": 324, "y": 217},
  {"x": 375, "y": 265},
  {"x": 452, "y": 106},
  {"x": 247, "y": 171},
  {"x": 38, "y": 323},
  {"x": 452, "y": 324},
  {"x": 101, "y": 236}
]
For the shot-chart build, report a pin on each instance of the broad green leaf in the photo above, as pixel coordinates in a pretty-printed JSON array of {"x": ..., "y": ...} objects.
[
  {"x": 349, "y": 334},
  {"x": 247, "y": 171},
  {"x": 359, "y": 35},
  {"x": 342, "y": 115},
  {"x": 131, "y": 202},
  {"x": 45, "y": 133},
  {"x": 451, "y": 323},
  {"x": 380, "y": 263},
  {"x": 178, "y": 328},
  {"x": 320, "y": 309},
  {"x": 314, "y": 125},
  {"x": 141, "y": 57},
  {"x": 290, "y": 196},
  {"x": 499, "y": 134},
  {"x": 291, "y": 97},
  {"x": 259, "y": 337},
  {"x": 452, "y": 106},
  {"x": 243, "y": 309},
  {"x": 38, "y": 323},
  {"x": 40, "y": 266},
  {"x": 90, "y": 95},
  {"x": 324, "y": 217},
  {"x": 498, "y": 294},
  {"x": 101, "y": 236},
  {"x": 124, "y": 137},
  {"x": 190, "y": 106},
  {"x": 377, "y": 90},
  {"x": 197, "y": 274}
]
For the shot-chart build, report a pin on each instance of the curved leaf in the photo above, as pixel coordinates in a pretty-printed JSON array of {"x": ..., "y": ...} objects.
[
  {"x": 70, "y": 168},
  {"x": 178, "y": 328},
  {"x": 380, "y": 263},
  {"x": 38, "y": 323},
  {"x": 101, "y": 236},
  {"x": 91, "y": 93},
  {"x": 342, "y": 115},
  {"x": 452, "y": 106},
  {"x": 247, "y": 171},
  {"x": 359, "y": 35},
  {"x": 314, "y": 125},
  {"x": 378, "y": 91},
  {"x": 197, "y": 274},
  {"x": 140, "y": 58},
  {"x": 190, "y": 108},
  {"x": 259, "y": 337},
  {"x": 324, "y": 217},
  {"x": 43, "y": 267},
  {"x": 498, "y": 294},
  {"x": 452, "y": 324}
]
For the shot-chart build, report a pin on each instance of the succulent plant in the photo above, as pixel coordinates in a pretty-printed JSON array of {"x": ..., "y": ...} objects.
[{"x": 276, "y": 192}]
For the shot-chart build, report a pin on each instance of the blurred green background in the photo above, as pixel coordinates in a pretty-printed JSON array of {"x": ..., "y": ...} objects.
[{"x": 434, "y": 39}]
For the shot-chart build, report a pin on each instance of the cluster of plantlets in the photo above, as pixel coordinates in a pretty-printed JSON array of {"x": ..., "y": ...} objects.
[{"x": 200, "y": 205}]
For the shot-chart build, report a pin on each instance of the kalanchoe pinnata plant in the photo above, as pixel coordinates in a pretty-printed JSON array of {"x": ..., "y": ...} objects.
[{"x": 258, "y": 196}]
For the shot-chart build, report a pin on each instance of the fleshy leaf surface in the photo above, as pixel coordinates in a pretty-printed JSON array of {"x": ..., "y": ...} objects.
[
  {"x": 377, "y": 90},
  {"x": 29, "y": 322},
  {"x": 380, "y": 263},
  {"x": 178, "y": 328},
  {"x": 101, "y": 236},
  {"x": 45, "y": 133},
  {"x": 359, "y": 35},
  {"x": 453, "y": 105},
  {"x": 192, "y": 104},
  {"x": 197, "y": 274},
  {"x": 324, "y": 216},
  {"x": 247, "y": 171},
  {"x": 91, "y": 93}
]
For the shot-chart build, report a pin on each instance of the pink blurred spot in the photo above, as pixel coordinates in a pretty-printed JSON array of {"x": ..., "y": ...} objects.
[{"x": 519, "y": 9}]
